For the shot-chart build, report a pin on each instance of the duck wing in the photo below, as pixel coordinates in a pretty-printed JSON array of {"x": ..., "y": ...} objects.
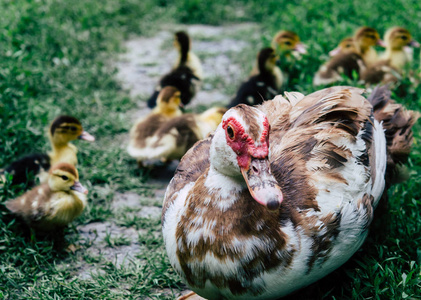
[{"x": 321, "y": 143}]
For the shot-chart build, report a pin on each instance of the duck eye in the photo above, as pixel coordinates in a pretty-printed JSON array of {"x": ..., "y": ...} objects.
[
  {"x": 404, "y": 37},
  {"x": 65, "y": 178},
  {"x": 288, "y": 43},
  {"x": 230, "y": 132}
]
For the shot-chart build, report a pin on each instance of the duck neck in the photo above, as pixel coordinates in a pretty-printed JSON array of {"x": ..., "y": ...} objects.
[
  {"x": 167, "y": 111},
  {"x": 183, "y": 54},
  {"x": 62, "y": 151},
  {"x": 226, "y": 189}
]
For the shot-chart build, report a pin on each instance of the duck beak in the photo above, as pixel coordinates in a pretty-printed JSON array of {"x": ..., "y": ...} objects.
[
  {"x": 86, "y": 136},
  {"x": 78, "y": 187},
  {"x": 262, "y": 184},
  {"x": 414, "y": 43},
  {"x": 335, "y": 51},
  {"x": 301, "y": 48},
  {"x": 381, "y": 43}
]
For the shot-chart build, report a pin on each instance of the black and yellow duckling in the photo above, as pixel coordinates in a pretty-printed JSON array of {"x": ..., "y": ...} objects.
[
  {"x": 351, "y": 57},
  {"x": 264, "y": 85},
  {"x": 287, "y": 44},
  {"x": 173, "y": 138},
  {"x": 392, "y": 63},
  {"x": 290, "y": 49},
  {"x": 168, "y": 107},
  {"x": 54, "y": 204},
  {"x": 62, "y": 130},
  {"x": 186, "y": 75}
]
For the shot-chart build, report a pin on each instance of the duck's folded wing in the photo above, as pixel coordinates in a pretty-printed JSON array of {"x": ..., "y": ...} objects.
[
  {"x": 328, "y": 139},
  {"x": 193, "y": 164}
]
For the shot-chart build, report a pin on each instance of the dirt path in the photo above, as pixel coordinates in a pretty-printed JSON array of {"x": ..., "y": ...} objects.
[{"x": 146, "y": 59}]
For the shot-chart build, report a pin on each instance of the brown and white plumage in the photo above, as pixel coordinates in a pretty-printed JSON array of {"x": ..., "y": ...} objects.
[
  {"x": 62, "y": 131},
  {"x": 186, "y": 75},
  {"x": 172, "y": 138},
  {"x": 280, "y": 195},
  {"x": 54, "y": 204},
  {"x": 391, "y": 65},
  {"x": 168, "y": 107}
]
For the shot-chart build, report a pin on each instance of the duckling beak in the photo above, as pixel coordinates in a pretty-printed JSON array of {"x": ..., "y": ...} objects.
[
  {"x": 381, "y": 43},
  {"x": 414, "y": 43},
  {"x": 301, "y": 48},
  {"x": 86, "y": 136},
  {"x": 78, "y": 187},
  {"x": 262, "y": 184},
  {"x": 335, "y": 51}
]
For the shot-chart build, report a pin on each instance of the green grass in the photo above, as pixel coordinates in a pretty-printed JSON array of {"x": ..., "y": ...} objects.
[{"x": 54, "y": 59}]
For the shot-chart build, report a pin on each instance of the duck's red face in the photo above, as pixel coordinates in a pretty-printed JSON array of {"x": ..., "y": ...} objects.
[
  {"x": 252, "y": 158},
  {"x": 243, "y": 145}
]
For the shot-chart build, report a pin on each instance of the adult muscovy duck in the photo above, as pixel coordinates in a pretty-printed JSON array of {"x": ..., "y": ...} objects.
[{"x": 283, "y": 193}]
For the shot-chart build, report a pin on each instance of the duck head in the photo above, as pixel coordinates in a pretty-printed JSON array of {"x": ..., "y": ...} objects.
[
  {"x": 397, "y": 38},
  {"x": 64, "y": 177},
  {"x": 169, "y": 100},
  {"x": 366, "y": 37},
  {"x": 67, "y": 128},
  {"x": 182, "y": 44},
  {"x": 347, "y": 45},
  {"x": 288, "y": 42},
  {"x": 240, "y": 149},
  {"x": 266, "y": 60}
]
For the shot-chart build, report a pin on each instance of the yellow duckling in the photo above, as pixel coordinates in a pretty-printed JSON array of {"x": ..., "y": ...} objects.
[
  {"x": 173, "y": 138},
  {"x": 62, "y": 131},
  {"x": 54, "y": 204},
  {"x": 186, "y": 75},
  {"x": 168, "y": 106},
  {"x": 392, "y": 63},
  {"x": 365, "y": 38},
  {"x": 398, "y": 47}
]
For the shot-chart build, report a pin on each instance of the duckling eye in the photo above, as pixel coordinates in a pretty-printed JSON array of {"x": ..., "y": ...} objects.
[
  {"x": 65, "y": 178},
  {"x": 230, "y": 132},
  {"x": 72, "y": 128},
  {"x": 404, "y": 37},
  {"x": 288, "y": 43}
]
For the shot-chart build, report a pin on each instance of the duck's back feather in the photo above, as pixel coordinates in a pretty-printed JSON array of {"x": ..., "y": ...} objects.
[{"x": 25, "y": 169}]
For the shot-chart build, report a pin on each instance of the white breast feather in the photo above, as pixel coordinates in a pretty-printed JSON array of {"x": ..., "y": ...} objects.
[{"x": 172, "y": 218}]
